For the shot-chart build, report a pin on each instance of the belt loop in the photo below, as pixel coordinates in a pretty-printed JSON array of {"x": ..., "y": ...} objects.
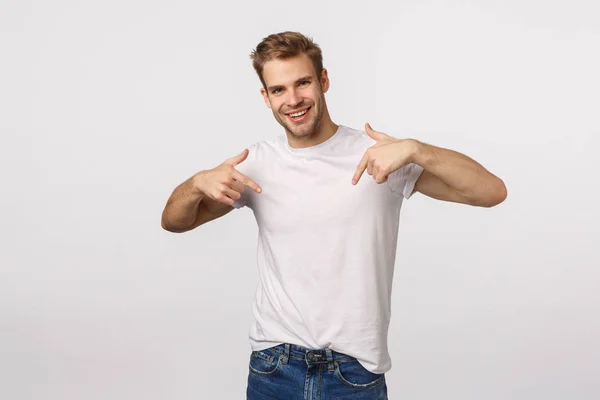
[
  {"x": 286, "y": 353},
  {"x": 330, "y": 359}
]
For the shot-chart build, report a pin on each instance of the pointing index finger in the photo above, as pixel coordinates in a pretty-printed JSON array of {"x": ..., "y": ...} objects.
[
  {"x": 238, "y": 176},
  {"x": 362, "y": 165}
]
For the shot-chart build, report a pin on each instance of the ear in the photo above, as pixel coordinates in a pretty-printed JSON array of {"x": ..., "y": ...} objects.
[
  {"x": 263, "y": 91},
  {"x": 324, "y": 80}
]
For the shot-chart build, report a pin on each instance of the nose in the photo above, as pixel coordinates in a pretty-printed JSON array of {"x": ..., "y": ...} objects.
[{"x": 294, "y": 99}]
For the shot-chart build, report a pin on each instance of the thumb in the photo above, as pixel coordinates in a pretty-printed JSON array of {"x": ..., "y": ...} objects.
[
  {"x": 373, "y": 133},
  {"x": 233, "y": 161}
]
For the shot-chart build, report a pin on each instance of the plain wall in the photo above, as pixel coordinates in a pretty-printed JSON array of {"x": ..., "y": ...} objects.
[{"x": 106, "y": 106}]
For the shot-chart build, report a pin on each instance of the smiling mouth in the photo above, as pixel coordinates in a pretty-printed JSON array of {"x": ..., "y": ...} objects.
[{"x": 299, "y": 115}]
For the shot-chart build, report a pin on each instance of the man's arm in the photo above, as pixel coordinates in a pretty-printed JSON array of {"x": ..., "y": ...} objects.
[
  {"x": 451, "y": 176},
  {"x": 206, "y": 196},
  {"x": 181, "y": 209},
  {"x": 188, "y": 208},
  {"x": 447, "y": 174}
]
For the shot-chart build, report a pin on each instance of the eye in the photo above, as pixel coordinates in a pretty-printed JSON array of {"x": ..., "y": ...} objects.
[
  {"x": 304, "y": 82},
  {"x": 276, "y": 90}
]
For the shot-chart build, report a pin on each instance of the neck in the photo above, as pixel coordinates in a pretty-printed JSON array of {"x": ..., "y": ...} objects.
[{"x": 324, "y": 130}]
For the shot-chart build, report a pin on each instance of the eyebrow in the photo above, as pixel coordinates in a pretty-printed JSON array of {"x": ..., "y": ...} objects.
[{"x": 304, "y": 78}]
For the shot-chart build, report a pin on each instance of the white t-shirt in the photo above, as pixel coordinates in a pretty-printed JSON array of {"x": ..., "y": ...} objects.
[{"x": 326, "y": 248}]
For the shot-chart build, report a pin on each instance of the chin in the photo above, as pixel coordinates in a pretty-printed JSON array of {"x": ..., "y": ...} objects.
[{"x": 302, "y": 132}]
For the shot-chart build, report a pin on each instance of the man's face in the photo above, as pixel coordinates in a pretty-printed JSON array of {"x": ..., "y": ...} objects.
[{"x": 293, "y": 87}]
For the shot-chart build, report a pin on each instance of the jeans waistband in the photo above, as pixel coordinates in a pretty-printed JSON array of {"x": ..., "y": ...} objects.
[{"x": 311, "y": 356}]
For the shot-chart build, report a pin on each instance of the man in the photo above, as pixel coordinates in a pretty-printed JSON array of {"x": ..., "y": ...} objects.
[{"x": 327, "y": 234}]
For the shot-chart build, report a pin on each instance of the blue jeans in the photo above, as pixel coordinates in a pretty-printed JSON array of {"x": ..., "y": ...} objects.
[{"x": 292, "y": 372}]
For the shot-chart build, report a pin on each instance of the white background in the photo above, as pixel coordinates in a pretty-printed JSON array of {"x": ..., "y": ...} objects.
[{"x": 106, "y": 106}]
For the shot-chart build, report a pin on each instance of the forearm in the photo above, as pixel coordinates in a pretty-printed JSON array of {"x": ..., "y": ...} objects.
[
  {"x": 181, "y": 209},
  {"x": 469, "y": 178}
]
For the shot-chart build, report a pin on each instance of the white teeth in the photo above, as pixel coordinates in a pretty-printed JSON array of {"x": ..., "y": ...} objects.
[{"x": 298, "y": 114}]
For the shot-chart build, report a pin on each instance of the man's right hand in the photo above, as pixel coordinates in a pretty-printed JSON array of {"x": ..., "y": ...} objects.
[{"x": 224, "y": 183}]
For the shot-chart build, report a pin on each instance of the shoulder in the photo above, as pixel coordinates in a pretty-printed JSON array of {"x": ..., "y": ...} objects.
[
  {"x": 259, "y": 153},
  {"x": 354, "y": 141},
  {"x": 357, "y": 136},
  {"x": 263, "y": 149}
]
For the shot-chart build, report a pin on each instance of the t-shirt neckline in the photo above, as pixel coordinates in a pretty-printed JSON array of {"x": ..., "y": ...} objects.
[{"x": 307, "y": 150}]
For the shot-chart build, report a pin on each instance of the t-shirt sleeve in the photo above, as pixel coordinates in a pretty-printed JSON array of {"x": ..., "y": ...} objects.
[
  {"x": 247, "y": 167},
  {"x": 402, "y": 181}
]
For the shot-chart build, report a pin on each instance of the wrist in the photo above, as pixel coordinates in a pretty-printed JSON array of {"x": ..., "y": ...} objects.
[
  {"x": 416, "y": 151},
  {"x": 197, "y": 183}
]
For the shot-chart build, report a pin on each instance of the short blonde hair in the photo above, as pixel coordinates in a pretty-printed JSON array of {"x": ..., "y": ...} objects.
[{"x": 284, "y": 45}]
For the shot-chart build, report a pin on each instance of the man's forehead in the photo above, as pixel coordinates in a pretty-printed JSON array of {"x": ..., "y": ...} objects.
[{"x": 287, "y": 70}]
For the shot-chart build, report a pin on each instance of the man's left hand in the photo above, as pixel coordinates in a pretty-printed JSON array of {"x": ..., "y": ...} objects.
[{"x": 385, "y": 156}]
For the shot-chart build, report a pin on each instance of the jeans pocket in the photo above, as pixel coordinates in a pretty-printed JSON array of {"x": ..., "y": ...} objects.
[
  {"x": 353, "y": 374},
  {"x": 264, "y": 362}
]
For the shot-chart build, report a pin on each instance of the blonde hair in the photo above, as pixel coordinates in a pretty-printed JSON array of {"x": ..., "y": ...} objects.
[{"x": 284, "y": 45}]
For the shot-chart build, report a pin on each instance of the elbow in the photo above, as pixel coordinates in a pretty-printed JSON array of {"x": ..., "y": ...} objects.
[
  {"x": 163, "y": 221},
  {"x": 172, "y": 229},
  {"x": 164, "y": 225},
  {"x": 497, "y": 196},
  {"x": 167, "y": 226}
]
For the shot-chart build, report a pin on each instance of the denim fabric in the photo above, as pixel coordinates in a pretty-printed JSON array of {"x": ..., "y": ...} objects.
[{"x": 292, "y": 372}]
